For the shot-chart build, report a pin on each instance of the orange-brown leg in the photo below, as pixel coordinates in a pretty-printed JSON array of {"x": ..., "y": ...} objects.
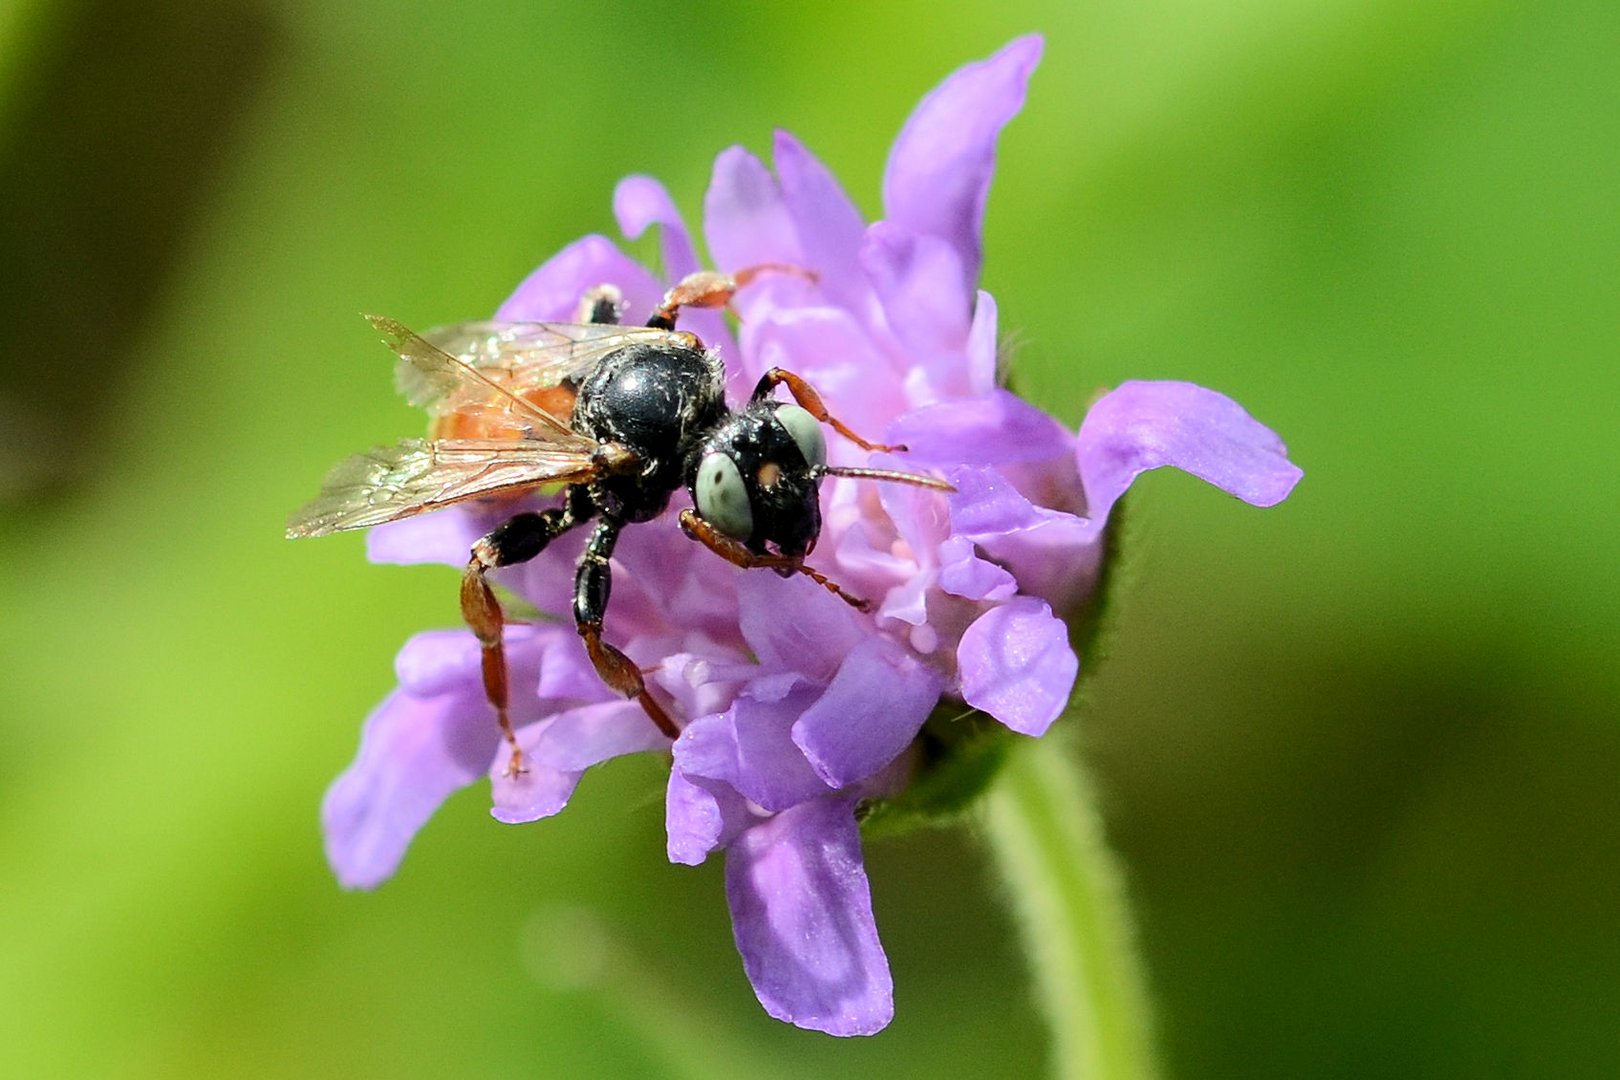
[
  {"x": 593, "y": 583},
  {"x": 483, "y": 614},
  {"x": 811, "y": 402},
  {"x": 737, "y": 553},
  {"x": 712, "y": 289},
  {"x": 519, "y": 539}
]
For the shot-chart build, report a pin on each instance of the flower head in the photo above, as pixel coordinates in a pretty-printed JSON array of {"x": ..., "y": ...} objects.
[{"x": 794, "y": 708}]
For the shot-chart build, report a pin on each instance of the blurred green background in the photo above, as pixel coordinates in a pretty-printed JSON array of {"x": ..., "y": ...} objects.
[{"x": 1359, "y": 754}]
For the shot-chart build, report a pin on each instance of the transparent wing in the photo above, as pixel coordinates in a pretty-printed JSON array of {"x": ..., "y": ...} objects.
[
  {"x": 417, "y": 475},
  {"x": 431, "y": 377},
  {"x": 526, "y": 356}
]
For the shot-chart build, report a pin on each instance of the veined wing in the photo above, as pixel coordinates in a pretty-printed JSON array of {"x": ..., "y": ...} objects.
[
  {"x": 417, "y": 475},
  {"x": 526, "y": 356},
  {"x": 431, "y": 377}
]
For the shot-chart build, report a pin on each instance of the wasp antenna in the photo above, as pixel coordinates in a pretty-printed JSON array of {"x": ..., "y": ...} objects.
[{"x": 856, "y": 473}]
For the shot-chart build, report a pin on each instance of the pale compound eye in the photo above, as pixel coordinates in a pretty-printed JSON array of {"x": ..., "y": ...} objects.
[
  {"x": 806, "y": 432},
  {"x": 722, "y": 497}
]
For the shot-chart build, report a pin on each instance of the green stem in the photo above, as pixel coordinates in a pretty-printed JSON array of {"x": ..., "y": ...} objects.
[{"x": 1068, "y": 898}]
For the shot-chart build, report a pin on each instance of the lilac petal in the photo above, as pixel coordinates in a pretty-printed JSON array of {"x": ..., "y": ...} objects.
[
  {"x": 537, "y": 792},
  {"x": 701, "y": 685},
  {"x": 701, "y": 815},
  {"x": 444, "y": 536},
  {"x": 750, "y": 747},
  {"x": 576, "y": 739},
  {"x": 1147, "y": 425},
  {"x": 829, "y": 227},
  {"x": 962, "y": 573},
  {"x": 830, "y": 348},
  {"x": 996, "y": 429},
  {"x": 440, "y": 662},
  {"x": 744, "y": 218},
  {"x": 1017, "y": 665},
  {"x": 640, "y": 202},
  {"x": 869, "y": 713},
  {"x": 939, "y": 171},
  {"x": 553, "y": 292},
  {"x": 414, "y": 753},
  {"x": 566, "y": 672},
  {"x": 1053, "y": 554},
  {"x": 557, "y": 752},
  {"x": 918, "y": 281},
  {"x": 801, "y": 911},
  {"x": 983, "y": 352},
  {"x": 793, "y": 624}
]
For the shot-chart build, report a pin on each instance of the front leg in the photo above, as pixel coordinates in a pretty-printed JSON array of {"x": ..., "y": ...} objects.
[
  {"x": 712, "y": 289},
  {"x": 736, "y": 552},
  {"x": 517, "y": 540},
  {"x": 593, "y": 583},
  {"x": 811, "y": 402}
]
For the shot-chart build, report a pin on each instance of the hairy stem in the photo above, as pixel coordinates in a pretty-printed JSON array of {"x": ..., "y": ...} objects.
[{"x": 1068, "y": 899}]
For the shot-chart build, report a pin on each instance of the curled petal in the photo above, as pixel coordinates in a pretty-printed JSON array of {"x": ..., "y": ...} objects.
[
  {"x": 444, "y": 536},
  {"x": 829, "y": 226},
  {"x": 1053, "y": 554},
  {"x": 918, "y": 281},
  {"x": 869, "y": 713},
  {"x": 939, "y": 171},
  {"x": 559, "y": 749},
  {"x": 801, "y": 911},
  {"x": 552, "y": 293},
  {"x": 793, "y": 624},
  {"x": 744, "y": 218},
  {"x": 1017, "y": 665},
  {"x": 997, "y": 429},
  {"x": 749, "y": 747},
  {"x": 701, "y": 815},
  {"x": 962, "y": 573},
  {"x": 640, "y": 202},
  {"x": 414, "y": 753},
  {"x": 1147, "y": 425}
]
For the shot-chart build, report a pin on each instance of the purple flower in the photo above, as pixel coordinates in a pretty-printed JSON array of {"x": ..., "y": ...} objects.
[{"x": 794, "y": 707}]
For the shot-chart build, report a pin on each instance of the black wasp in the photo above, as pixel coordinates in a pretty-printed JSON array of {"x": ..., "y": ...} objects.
[{"x": 623, "y": 417}]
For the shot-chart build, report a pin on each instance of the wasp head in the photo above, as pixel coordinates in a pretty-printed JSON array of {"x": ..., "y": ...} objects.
[{"x": 758, "y": 478}]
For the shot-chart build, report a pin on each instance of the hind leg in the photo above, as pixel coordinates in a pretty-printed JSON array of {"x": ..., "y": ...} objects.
[{"x": 517, "y": 540}]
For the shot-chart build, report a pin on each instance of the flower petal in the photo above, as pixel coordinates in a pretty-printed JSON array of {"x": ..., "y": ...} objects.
[
  {"x": 444, "y": 536},
  {"x": 869, "y": 713},
  {"x": 745, "y": 220},
  {"x": 750, "y": 747},
  {"x": 701, "y": 815},
  {"x": 829, "y": 226},
  {"x": 918, "y": 279},
  {"x": 997, "y": 429},
  {"x": 640, "y": 202},
  {"x": 1054, "y": 555},
  {"x": 793, "y": 624},
  {"x": 1017, "y": 665},
  {"x": 1147, "y": 425},
  {"x": 940, "y": 168},
  {"x": 414, "y": 753},
  {"x": 559, "y": 749},
  {"x": 801, "y": 911},
  {"x": 553, "y": 292},
  {"x": 962, "y": 573}
]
